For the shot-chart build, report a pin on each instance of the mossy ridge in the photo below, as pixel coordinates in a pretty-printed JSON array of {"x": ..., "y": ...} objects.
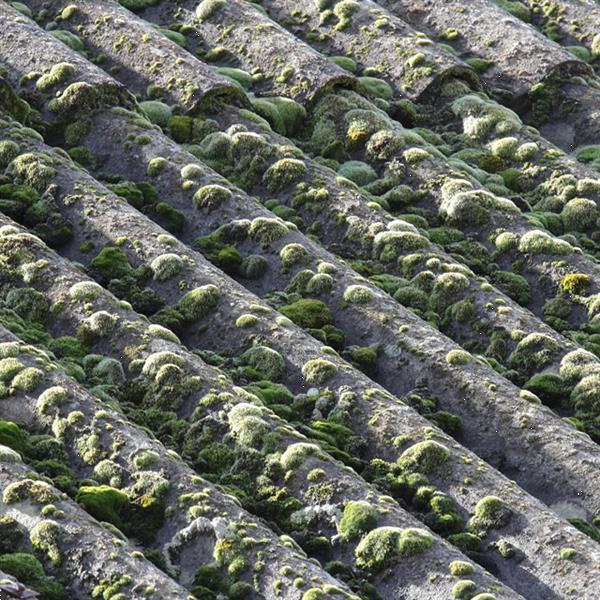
[
  {"x": 102, "y": 500},
  {"x": 48, "y": 537}
]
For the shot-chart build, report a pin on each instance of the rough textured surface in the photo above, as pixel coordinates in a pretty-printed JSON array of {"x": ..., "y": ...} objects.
[
  {"x": 86, "y": 553},
  {"x": 297, "y": 271},
  {"x": 267, "y": 51},
  {"x": 488, "y": 32}
]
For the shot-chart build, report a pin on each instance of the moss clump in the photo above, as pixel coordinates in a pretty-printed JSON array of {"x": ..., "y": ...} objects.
[
  {"x": 8, "y": 455},
  {"x": 540, "y": 242},
  {"x": 101, "y": 323},
  {"x": 490, "y": 513},
  {"x": 75, "y": 132},
  {"x": 314, "y": 594},
  {"x": 240, "y": 590},
  {"x": 175, "y": 220},
  {"x": 283, "y": 114},
  {"x": 589, "y": 154},
  {"x": 266, "y": 231},
  {"x": 375, "y": 88},
  {"x": 29, "y": 304},
  {"x": 358, "y": 294},
  {"x": 466, "y": 542},
  {"x": 386, "y": 544},
  {"x": 247, "y": 425},
  {"x": 155, "y": 361},
  {"x": 69, "y": 39},
  {"x": 359, "y": 172},
  {"x": 9, "y": 367},
  {"x": 79, "y": 97},
  {"x": 505, "y": 147},
  {"x": 52, "y": 397},
  {"x": 318, "y": 284},
  {"x": 192, "y": 171},
  {"x": 533, "y": 352},
  {"x": 68, "y": 12},
  {"x": 458, "y": 357},
  {"x": 199, "y": 302},
  {"x": 358, "y": 518},
  {"x": 567, "y": 553},
  {"x": 318, "y": 371},
  {"x": 308, "y": 313},
  {"x": 60, "y": 73},
  {"x": 579, "y": 214},
  {"x": 211, "y": 196},
  {"x": 271, "y": 393},
  {"x": 515, "y": 285},
  {"x": 111, "y": 263},
  {"x": 103, "y": 502},
  {"x": 586, "y": 528},
  {"x": 166, "y": 266},
  {"x": 9, "y": 150},
  {"x": 424, "y": 457},
  {"x": 344, "y": 10},
  {"x": 22, "y": 8},
  {"x": 27, "y": 379},
  {"x": 239, "y": 76},
  {"x": 516, "y": 9},
  {"x": 44, "y": 538},
  {"x": 464, "y": 589},
  {"x": 11, "y": 535},
  {"x": 283, "y": 173},
  {"x": 158, "y": 113},
  {"x": 209, "y": 577},
  {"x": 365, "y": 358},
  {"x": 86, "y": 291},
  {"x": 246, "y": 320},
  {"x": 145, "y": 459},
  {"x": 33, "y": 170},
  {"x": 156, "y": 166},
  {"x": 295, "y": 454},
  {"x": 268, "y": 362},
  {"x": 41, "y": 215},
  {"x": 345, "y": 62},
  {"x": 183, "y": 129},
  {"x": 13, "y": 436},
  {"x": 29, "y": 571},
  {"x": 459, "y": 568},
  {"x": 292, "y": 254},
  {"x": 575, "y": 283},
  {"x": 134, "y": 5},
  {"x": 550, "y": 387}
]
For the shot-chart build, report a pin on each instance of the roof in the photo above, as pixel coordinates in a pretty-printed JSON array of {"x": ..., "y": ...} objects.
[{"x": 300, "y": 300}]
